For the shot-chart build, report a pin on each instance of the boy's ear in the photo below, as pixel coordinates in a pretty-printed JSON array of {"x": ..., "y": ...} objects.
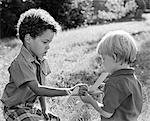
[
  {"x": 27, "y": 38},
  {"x": 115, "y": 57}
]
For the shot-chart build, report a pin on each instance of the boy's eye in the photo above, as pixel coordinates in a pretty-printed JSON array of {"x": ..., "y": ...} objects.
[{"x": 45, "y": 42}]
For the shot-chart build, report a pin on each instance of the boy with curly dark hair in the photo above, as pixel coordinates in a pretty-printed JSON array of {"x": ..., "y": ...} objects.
[{"x": 36, "y": 29}]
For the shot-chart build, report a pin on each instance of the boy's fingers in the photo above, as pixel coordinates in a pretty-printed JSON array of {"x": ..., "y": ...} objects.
[
  {"x": 79, "y": 86},
  {"x": 45, "y": 116},
  {"x": 85, "y": 88},
  {"x": 95, "y": 92},
  {"x": 79, "y": 89},
  {"x": 83, "y": 93},
  {"x": 82, "y": 85},
  {"x": 75, "y": 94},
  {"x": 53, "y": 117}
]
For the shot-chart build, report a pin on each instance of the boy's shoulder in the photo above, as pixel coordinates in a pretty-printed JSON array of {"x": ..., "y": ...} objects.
[
  {"x": 122, "y": 73},
  {"x": 24, "y": 57},
  {"x": 121, "y": 77}
]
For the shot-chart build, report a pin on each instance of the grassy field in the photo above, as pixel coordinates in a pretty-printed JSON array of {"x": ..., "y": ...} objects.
[{"x": 72, "y": 59}]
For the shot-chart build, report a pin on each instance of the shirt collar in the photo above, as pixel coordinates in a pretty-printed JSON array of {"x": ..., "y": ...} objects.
[
  {"x": 123, "y": 72},
  {"x": 28, "y": 56}
]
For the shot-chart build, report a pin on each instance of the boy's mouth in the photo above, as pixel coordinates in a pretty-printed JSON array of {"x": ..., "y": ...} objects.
[{"x": 45, "y": 53}]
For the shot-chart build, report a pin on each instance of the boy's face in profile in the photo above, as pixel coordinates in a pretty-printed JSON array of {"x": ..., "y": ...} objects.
[
  {"x": 108, "y": 63},
  {"x": 40, "y": 45}
]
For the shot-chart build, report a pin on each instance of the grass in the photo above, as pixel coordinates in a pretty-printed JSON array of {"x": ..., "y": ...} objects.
[{"x": 72, "y": 60}]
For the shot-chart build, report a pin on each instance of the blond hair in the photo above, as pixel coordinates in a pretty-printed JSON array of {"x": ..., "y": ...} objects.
[{"x": 119, "y": 43}]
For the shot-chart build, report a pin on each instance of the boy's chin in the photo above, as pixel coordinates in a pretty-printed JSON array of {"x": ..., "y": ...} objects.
[
  {"x": 44, "y": 54},
  {"x": 41, "y": 56}
]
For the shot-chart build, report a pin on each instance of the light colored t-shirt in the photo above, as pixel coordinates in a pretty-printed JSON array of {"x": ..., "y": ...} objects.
[{"x": 23, "y": 70}]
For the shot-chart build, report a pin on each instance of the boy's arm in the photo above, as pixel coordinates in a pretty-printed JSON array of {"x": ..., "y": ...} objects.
[
  {"x": 50, "y": 91},
  {"x": 98, "y": 106},
  {"x": 92, "y": 90},
  {"x": 45, "y": 90},
  {"x": 42, "y": 103},
  {"x": 88, "y": 99},
  {"x": 43, "y": 107}
]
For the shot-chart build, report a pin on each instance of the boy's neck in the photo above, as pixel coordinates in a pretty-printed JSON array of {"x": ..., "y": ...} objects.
[
  {"x": 29, "y": 50},
  {"x": 122, "y": 66}
]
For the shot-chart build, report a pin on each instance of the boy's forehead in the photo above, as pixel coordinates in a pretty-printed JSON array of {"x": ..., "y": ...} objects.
[{"x": 46, "y": 34}]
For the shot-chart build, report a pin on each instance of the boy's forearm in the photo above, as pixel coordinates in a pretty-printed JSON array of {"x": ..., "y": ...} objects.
[
  {"x": 51, "y": 92},
  {"x": 42, "y": 103},
  {"x": 97, "y": 107}
]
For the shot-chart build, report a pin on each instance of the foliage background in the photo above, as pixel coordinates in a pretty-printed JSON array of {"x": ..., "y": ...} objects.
[{"x": 70, "y": 13}]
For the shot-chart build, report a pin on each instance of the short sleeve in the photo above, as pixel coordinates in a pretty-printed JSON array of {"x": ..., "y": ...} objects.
[
  {"x": 21, "y": 73},
  {"x": 112, "y": 98}
]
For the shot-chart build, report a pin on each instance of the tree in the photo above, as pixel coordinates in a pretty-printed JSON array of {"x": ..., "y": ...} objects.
[
  {"x": 141, "y": 8},
  {"x": 10, "y": 12}
]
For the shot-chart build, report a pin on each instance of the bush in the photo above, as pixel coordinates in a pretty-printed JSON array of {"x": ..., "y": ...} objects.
[
  {"x": 147, "y": 2},
  {"x": 69, "y": 13},
  {"x": 115, "y": 10},
  {"x": 141, "y": 8},
  {"x": 10, "y": 12},
  {"x": 142, "y": 64}
]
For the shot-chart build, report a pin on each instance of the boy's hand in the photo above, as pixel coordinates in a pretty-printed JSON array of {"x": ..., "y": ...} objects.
[
  {"x": 82, "y": 90},
  {"x": 48, "y": 116},
  {"x": 97, "y": 95},
  {"x": 79, "y": 85},
  {"x": 87, "y": 98},
  {"x": 76, "y": 90},
  {"x": 45, "y": 116}
]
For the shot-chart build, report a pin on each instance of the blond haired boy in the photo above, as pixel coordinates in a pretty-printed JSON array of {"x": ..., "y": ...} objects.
[{"x": 122, "y": 93}]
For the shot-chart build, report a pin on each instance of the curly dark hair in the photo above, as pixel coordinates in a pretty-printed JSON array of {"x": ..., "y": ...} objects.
[{"x": 35, "y": 22}]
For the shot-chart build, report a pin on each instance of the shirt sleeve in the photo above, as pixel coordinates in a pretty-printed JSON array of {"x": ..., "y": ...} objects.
[
  {"x": 21, "y": 73},
  {"x": 112, "y": 98}
]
